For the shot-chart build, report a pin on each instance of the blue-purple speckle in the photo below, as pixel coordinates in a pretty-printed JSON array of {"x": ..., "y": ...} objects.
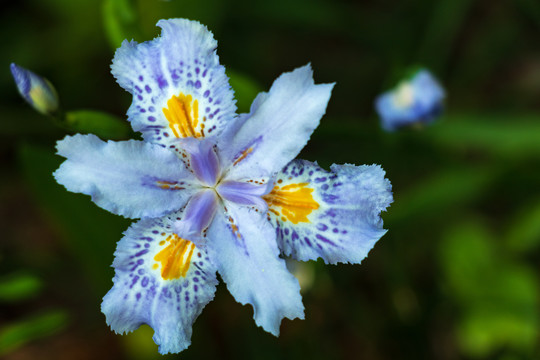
[
  {"x": 162, "y": 82},
  {"x": 142, "y": 252}
]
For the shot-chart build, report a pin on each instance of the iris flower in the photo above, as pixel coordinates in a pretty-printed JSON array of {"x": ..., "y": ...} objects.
[
  {"x": 216, "y": 191},
  {"x": 418, "y": 100}
]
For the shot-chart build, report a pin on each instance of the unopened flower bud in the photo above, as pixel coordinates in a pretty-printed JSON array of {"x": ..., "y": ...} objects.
[{"x": 37, "y": 91}]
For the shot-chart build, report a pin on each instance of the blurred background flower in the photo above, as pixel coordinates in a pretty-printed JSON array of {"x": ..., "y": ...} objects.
[
  {"x": 455, "y": 277},
  {"x": 413, "y": 102}
]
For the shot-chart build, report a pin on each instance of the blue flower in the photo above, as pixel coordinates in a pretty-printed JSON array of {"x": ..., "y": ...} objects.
[
  {"x": 37, "y": 91},
  {"x": 217, "y": 192},
  {"x": 414, "y": 101}
]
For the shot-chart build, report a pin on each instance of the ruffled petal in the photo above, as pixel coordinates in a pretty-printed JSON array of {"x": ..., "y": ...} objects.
[
  {"x": 278, "y": 126},
  {"x": 179, "y": 88},
  {"x": 332, "y": 215},
  {"x": 160, "y": 280},
  {"x": 242, "y": 244},
  {"x": 130, "y": 178}
]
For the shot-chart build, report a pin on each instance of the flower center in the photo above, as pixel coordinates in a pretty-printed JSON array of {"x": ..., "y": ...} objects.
[{"x": 404, "y": 95}]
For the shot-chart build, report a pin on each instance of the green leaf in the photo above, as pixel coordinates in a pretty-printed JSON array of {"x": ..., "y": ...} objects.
[
  {"x": 119, "y": 20},
  {"x": 503, "y": 135},
  {"x": 447, "y": 189},
  {"x": 467, "y": 259},
  {"x": 102, "y": 124},
  {"x": 19, "y": 286},
  {"x": 478, "y": 270},
  {"x": 524, "y": 231},
  {"x": 15, "y": 335},
  {"x": 507, "y": 318},
  {"x": 498, "y": 296},
  {"x": 484, "y": 332}
]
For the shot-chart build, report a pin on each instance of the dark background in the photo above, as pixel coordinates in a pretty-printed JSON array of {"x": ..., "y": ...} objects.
[{"x": 456, "y": 276}]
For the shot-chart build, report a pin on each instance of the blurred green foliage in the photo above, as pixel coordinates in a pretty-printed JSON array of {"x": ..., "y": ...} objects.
[
  {"x": 119, "y": 21},
  {"x": 95, "y": 122},
  {"x": 523, "y": 234},
  {"x": 37, "y": 326},
  {"x": 19, "y": 286},
  {"x": 457, "y": 275},
  {"x": 498, "y": 294}
]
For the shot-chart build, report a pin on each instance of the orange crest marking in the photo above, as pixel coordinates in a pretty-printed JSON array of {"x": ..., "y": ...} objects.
[
  {"x": 295, "y": 200},
  {"x": 169, "y": 185},
  {"x": 242, "y": 156},
  {"x": 175, "y": 258},
  {"x": 182, "y": 112}
]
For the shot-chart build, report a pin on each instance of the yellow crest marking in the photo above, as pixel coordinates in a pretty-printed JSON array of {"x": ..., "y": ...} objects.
[
  {"x": 295, "y": 200},
  {"x": 175, "y": 258},
  {"x": 182, "y": 112}
]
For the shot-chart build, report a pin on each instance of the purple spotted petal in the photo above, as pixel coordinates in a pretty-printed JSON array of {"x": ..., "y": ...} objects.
[
  {"x": 346, "y": 221},
  {"x": 141, "y": 295},
  {"x": 182, "y": 62},
  {"x": 244, "y": 193}
]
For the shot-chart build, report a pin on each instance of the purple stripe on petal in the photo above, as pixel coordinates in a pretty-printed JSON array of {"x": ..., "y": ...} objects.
[
  {"x": 197, "y": 216},
  {"x": 204, "y": 161}
]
